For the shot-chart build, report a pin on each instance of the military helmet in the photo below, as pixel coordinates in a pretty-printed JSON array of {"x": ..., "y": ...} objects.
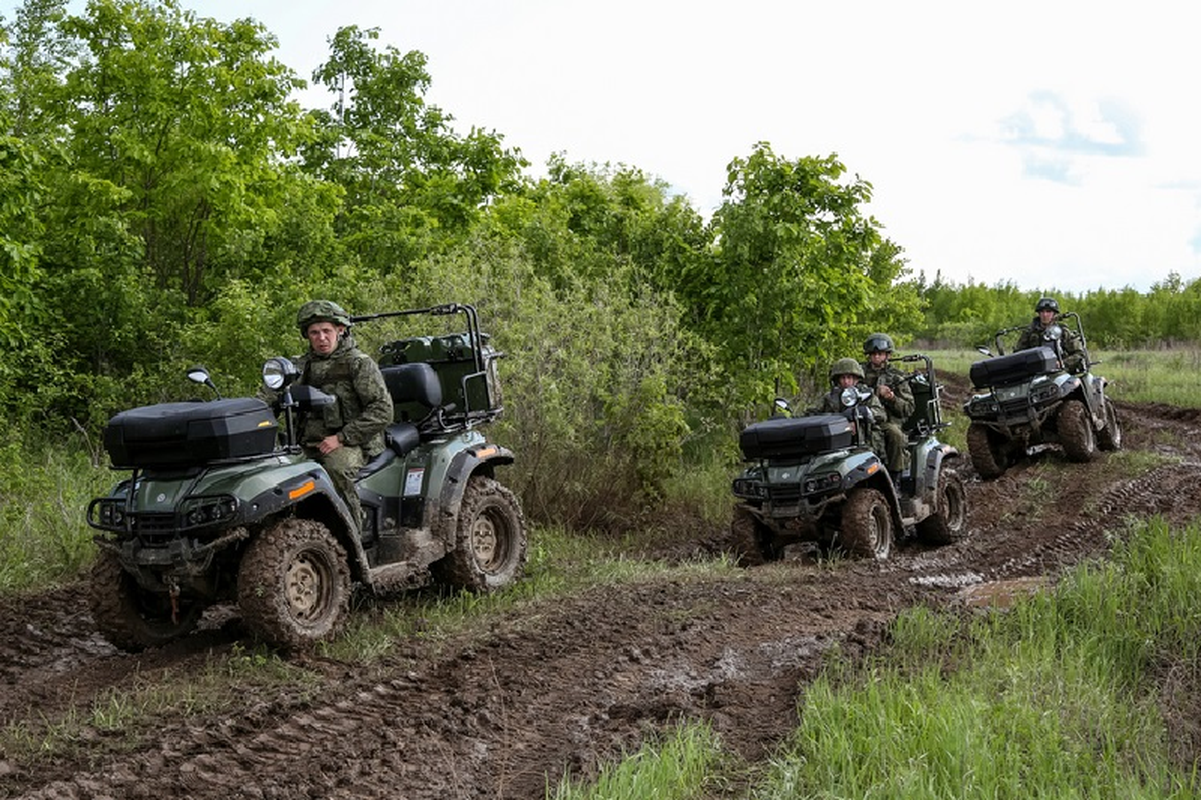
[
  {"x": 846, "y": 366},
  {"x": 1047, "y": 304},
  {"x": 321, "y": 311},
  {"x": 877, "y": 343}
]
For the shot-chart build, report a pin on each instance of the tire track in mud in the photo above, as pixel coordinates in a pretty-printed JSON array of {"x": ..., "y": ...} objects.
[{"x": 561, "y": 686}]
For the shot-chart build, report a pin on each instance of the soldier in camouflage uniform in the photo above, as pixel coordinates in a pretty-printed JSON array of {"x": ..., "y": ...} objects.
[
  {"x": 1046, "y": 314},
  {"x": 344, "y": 435},
  {"x": 894, "y": 393},
  {"x": 845, "y": 373}
]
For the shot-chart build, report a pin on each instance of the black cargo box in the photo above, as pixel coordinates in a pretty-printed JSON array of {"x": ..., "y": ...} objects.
[
  {"x": 1013, "y": 368},
  {"x": 796, "y": 437},
  {"x": 189, "y": 434}
]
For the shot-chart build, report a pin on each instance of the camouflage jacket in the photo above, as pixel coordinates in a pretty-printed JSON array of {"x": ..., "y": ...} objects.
[
  {"x": 831, "y": 404},
  {"x": 900, "y": 407},
  {"x": 363, "y": 408},
  {"x": 1073, "y": 352}
]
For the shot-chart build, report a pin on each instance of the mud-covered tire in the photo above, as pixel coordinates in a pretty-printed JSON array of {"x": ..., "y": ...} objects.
[
  {"x": 987, "y": 451},
  {"x": 866, "y": 529},
  {"x": 490, "y": 539},
  {"x": 1110, "y": 437},
  {"x": 294, "y": 584},
  {"x": 131, "y": 617},
  {"x": 749, "y": 544},
  {"x": 1076, "y": 431},
  {"x": 948, "y": 523}
]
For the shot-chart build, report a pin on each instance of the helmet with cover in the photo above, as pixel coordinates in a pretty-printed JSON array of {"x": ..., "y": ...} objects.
[
  {"x": 845, "y": 366},
  {"x": 877, "y": 343},
  {"x": 321, "y": 311},
  {"x": 1047, "y": 304}
]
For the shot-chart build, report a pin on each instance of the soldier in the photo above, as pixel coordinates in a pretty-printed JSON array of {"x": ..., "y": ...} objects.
[
  {"x": 344, "y": 435},
  {"x": 1047, "y": 314},
  {"x": 893, "y": 390},
  {"x": 846, "y": 373}
]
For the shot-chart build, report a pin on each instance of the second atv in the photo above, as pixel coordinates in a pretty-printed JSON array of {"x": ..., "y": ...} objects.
[{"x": 817, "y": 482}]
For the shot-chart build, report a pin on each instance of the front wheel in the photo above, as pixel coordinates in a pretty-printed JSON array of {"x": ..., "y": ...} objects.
[
  {"x": 948, "y": 523},
  {"x": 987, "y": 450},
  {"x": 1076, "y": 431},
  {"x": 131, "y": 617},
  {"x": 294, "y": 584},
  {"x": 749, "y": 539},
  {"x": 490, "y": 539},
  {"x": 866, "y": 527},
  {"x": 1110, "y": 437}
]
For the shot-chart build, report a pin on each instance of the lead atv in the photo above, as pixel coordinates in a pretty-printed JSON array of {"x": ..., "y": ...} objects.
[
  {"x": 1027, "y": 401},
  {"x": 815, "y": 481},
  {"x": 222, "y": 506}
]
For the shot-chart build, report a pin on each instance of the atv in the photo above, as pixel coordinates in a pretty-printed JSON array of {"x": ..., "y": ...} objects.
[
  {"x": 815, "y": 482},
  {"x": 1027, "y": 401},
  {"x": 222, "y": 506}
]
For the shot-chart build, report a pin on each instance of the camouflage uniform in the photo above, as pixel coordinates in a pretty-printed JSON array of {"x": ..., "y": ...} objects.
[
  {"x": 362, "y": 411},
  {"x": 899, "y": 408},
  {"x": 831, "y": 402},
  {"x": 1073, "y": 353}
]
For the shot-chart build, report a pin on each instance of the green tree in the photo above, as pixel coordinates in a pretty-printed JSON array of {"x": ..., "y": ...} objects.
[
  {"x": 798, "y": 271},
  {"x": 413, "y": 185}
]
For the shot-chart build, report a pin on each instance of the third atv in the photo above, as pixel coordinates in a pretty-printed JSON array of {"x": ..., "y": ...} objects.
[{"x": 1027, "y": 401}]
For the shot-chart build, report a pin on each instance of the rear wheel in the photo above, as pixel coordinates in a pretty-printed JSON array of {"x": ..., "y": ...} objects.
[
  {"x": 490, "y": 539},
  {"x": 988, "y": 451},
  {"x": 1076, "y": 431},
  {"x": 131, "y": 617},
  {"x": 1110, "y": 437},
  {"x": 749, "y": 539},
  {"x": 866, "y": 528},
  {"x": 294, "y": 584},
  {"x": 948, "y": 523}
]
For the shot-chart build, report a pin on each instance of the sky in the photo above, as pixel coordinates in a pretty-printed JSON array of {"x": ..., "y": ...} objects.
[{"x": 1050, "y": 144}]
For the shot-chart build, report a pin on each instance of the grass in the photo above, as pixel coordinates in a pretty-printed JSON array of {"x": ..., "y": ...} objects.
[{"x": 1060, "y": 696}]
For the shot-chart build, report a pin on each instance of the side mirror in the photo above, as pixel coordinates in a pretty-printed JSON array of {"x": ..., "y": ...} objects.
[{"x": 200, "y": 374}]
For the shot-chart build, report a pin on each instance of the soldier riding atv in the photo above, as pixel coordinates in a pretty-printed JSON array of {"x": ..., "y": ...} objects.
[
  {"x": 819, "y": 480},
  {"x": 1042, "y": 395},
  {"x": 222, "y": 507}
]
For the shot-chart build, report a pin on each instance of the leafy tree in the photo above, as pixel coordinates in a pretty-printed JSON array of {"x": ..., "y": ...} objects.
[
  {"x": 797, "y": 273},
  {"x": 412, "y": 183}
]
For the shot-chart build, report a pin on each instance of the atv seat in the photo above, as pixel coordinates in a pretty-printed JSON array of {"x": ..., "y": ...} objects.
[
  {"x": 925, "y": 414},
  {"x": 415, "y": 390},
  {"x": 399, "y": 439}
]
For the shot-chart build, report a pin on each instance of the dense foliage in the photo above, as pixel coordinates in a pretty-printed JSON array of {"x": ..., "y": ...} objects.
[{"x": 165, "y": 201}]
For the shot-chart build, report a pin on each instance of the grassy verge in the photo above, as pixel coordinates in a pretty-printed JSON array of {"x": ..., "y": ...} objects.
[{"x": 1070, "y": 693}]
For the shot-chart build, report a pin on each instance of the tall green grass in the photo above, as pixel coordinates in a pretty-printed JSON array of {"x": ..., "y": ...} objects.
[
  {"x": 44, "y": 492},
  {"x": 1060, "y": 696}
]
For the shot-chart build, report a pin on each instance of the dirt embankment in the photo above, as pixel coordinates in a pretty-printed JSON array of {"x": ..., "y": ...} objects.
[{"x": 564, "y": 685}]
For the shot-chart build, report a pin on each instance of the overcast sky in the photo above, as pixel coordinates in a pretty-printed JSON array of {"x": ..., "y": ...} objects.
[{"x": 1043, "y": 143}]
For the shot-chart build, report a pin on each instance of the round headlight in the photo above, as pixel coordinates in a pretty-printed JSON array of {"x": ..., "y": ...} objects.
[{"x": 278, "y": 372}]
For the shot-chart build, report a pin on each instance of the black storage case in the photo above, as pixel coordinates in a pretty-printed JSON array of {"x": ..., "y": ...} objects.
[
  {"x": 189, "y": 434},
  {"x": 1013, "y": 368},
  {"x": 796, "y": 437}
]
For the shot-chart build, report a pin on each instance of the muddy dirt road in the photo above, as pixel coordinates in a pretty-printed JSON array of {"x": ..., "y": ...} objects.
[{"x": 557, "y": 686}]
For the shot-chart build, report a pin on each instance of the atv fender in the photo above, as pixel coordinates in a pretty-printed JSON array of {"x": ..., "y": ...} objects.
[
  {"x": 483, "y": 459},
  {"x": 312, "y": 495},
  {"x": 870, "y": 471}
]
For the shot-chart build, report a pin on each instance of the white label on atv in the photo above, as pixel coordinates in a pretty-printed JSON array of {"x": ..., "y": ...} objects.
[{"x": 413, "y": 481}]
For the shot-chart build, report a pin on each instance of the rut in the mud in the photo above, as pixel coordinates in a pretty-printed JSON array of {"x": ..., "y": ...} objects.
[{"x": 560, "y": 685}]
